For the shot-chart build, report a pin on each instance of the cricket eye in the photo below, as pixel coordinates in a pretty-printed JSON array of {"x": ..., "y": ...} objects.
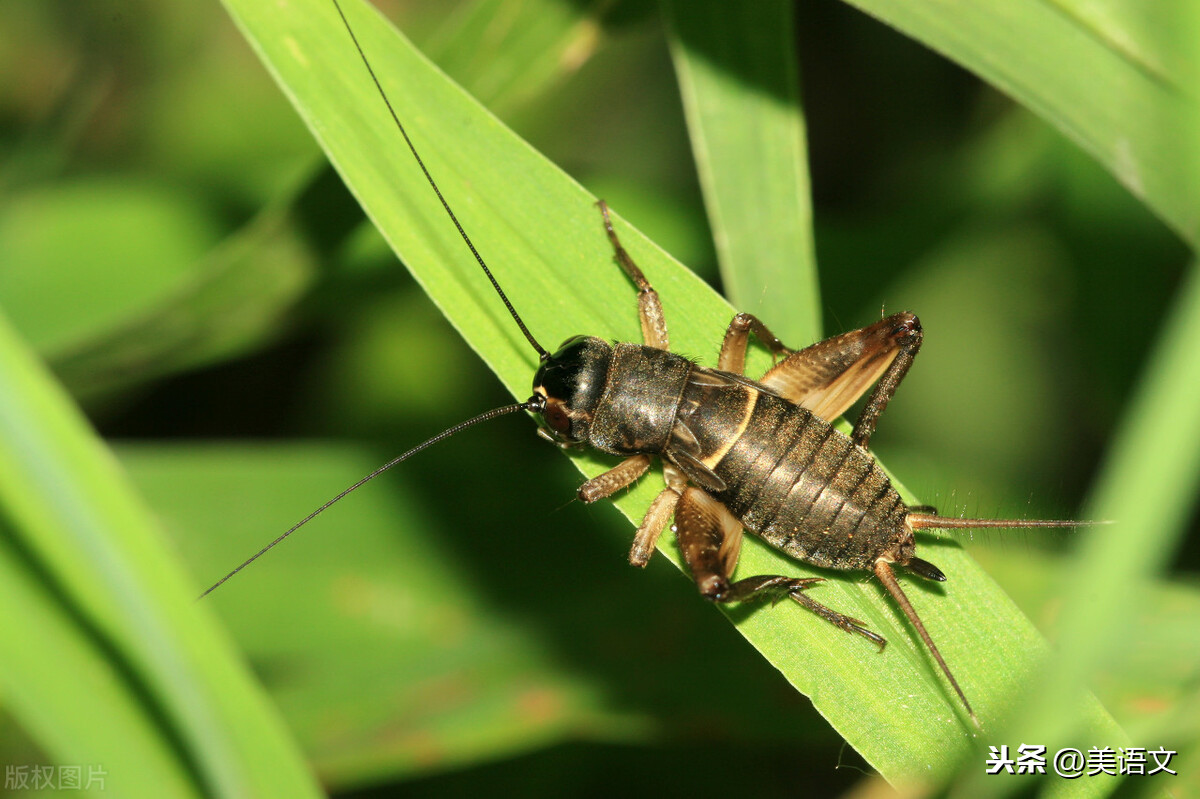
[{"x": 556, "y": 416}]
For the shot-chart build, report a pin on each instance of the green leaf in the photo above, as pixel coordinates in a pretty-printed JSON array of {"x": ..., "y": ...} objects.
[
  {"x": 421, "y": 670},
  {"x": 130, "y": 243},
  {"x": 542, "y": 236},
  {"x": 107, "y": 660},
  {"x": 1148, "y": 488},
  {"x": 738, "y": 76},
  {"x": 234, "y": 302},
  {"x": 429, "y": 653},
  {"x": 510, "y": 53},
  {"x": 1118, "y": 80}
]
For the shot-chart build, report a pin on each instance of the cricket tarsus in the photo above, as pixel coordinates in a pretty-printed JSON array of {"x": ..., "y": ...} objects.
[
  {"x": 541, "y": 351},
  {"x": 533, "y": 404}
]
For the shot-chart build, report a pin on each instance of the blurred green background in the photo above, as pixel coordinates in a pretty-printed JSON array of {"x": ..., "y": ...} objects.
[{"x": 175, "y": 248}]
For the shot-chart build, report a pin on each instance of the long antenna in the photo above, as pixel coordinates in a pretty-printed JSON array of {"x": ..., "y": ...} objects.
[
  {"x": 533, "y": 404},
  {"x": 399, "y": 125}
]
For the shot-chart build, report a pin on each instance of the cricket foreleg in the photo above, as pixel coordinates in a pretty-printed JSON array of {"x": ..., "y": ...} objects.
[
  {"x": 624, "y": 474},
  {"x": 710, "y": 539},
  {"x": 654, "y": 323}
]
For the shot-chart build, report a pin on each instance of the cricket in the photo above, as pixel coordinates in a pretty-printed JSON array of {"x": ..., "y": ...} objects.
[{"x": 739, "y": 454}]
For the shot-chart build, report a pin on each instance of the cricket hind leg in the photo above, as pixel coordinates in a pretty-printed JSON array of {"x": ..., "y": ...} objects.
[
  {"x": 710, "y": 541},
  {"x": 732, "y": 357},
  {"x": 828, "y": 377},
  {"x": 906, "y": 333},
  {"x": 650, "y": 311}
]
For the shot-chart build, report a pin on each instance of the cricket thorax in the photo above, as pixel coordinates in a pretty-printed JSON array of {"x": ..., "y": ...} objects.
[{"x": 640, "y": 400}]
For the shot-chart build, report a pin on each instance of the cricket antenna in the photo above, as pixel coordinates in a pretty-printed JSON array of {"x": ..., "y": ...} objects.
[
  {"x": 534, "y": 404},
  {"x": 541, "y": 351}
]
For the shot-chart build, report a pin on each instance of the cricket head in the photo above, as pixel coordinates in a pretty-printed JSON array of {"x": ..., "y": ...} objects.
[{"x": 569, "y": 384}]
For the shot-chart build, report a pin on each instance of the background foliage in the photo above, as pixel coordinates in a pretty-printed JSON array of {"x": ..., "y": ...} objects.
[{"x": 206, "y": 291}]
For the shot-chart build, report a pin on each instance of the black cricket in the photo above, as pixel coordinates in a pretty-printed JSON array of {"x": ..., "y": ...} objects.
[{"x": 738, "y": 454}]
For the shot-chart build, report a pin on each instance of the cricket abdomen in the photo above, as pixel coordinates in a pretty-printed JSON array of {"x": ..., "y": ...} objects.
[{"x": 789, "y": 476}]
